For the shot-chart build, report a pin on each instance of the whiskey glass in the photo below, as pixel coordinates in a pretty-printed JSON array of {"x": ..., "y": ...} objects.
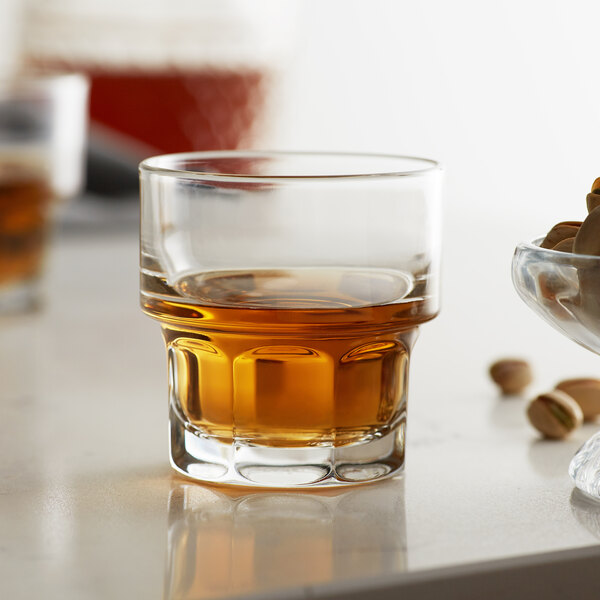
[
  {"x": 289, "y": 288},
  {"x": 43, "y": 122}
]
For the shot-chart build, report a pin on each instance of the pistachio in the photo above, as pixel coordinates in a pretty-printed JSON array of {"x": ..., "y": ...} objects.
[
  {"x": 555, "y": 414},
  {"x": 587, "y": 307},
  {"x": 586, "y": 392},
  {"x": 593, "y": 200},
  {"x": 565, "y": 246},
  {"x": 512, "y": 375},
  {"x": 550, "y": 285},
  {"x": 587, "y": 239},
  {"x": 561, "y": 231},
  {"x": 552, "y": 290}
]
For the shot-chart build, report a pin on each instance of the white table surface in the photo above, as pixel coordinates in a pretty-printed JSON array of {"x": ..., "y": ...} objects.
[{"x": 90, "y": 509}]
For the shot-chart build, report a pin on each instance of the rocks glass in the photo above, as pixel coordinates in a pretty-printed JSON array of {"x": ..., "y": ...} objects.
[{"x": 289, "y": 288}]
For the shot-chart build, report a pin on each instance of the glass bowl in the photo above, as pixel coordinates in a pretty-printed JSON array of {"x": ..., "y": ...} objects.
[{"x": 562, "y": 288}]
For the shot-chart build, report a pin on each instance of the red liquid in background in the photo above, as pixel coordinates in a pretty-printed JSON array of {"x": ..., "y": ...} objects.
[{"x": 178, "y": 111}]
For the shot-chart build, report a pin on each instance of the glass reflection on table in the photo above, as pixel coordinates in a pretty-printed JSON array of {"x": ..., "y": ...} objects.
[
  {"x": 585, "y": 511},
  {"x": 224, "y": 542}
]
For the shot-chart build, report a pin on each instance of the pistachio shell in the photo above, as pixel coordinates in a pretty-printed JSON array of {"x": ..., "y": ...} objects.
[
  {"x": 555, "y": 414},
  {"x": 565, "y": 245},
  {"x": 550, "y": 284},
  {"x": 596, "y": 184},
  {"x": 561, "y": 231},
  {"x": 512, "y": 375},
  {"x": 587, "y": 240},
  {"x": 593, "y": 200},
  {"x": 587, "y": 309},
  {"x": 586, "y": 392},
  {"x": 551, "y": 287}
]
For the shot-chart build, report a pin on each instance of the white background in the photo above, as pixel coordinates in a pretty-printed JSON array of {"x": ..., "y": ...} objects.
[{"x": 506, "y": 94}]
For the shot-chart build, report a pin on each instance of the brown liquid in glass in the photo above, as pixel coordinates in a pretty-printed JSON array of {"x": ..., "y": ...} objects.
[
  {"x": 290, "y": 357},
  {"x": 25, "y": 198}
]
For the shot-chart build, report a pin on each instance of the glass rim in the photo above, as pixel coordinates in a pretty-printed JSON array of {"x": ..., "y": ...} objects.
[
  {"x": 157, "y": 165},
  {"x": 31, "y": 78},
  {"x": 533, "y": 246}
]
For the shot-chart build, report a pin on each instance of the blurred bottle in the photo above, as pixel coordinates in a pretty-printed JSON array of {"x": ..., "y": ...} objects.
[{"x": 166, "y": 76}]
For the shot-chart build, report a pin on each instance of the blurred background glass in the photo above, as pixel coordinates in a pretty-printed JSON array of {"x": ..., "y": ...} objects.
[{"x": 42, "y": 134}]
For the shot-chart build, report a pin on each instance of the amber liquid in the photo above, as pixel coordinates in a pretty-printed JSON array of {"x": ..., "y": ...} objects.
[
  {"x": 24, "y": 203},
  {"x": 289, "y": 357}
]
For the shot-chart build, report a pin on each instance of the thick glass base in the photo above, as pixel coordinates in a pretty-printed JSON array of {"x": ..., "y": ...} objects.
[
  {"x": 205, "y": 459},
  {"x": 584, "y": 468}
]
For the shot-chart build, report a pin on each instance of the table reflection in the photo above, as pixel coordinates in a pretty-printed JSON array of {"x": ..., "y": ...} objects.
[
  {"x": 223, "y": 542},
  {"x": 587, "y": 511}
]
